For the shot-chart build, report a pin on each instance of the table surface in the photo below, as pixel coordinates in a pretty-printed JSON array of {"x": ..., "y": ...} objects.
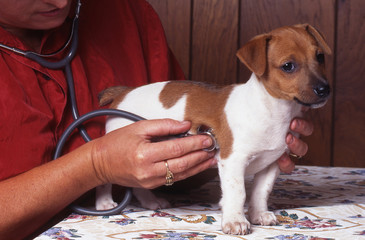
[{"x": 310, "y": 203}]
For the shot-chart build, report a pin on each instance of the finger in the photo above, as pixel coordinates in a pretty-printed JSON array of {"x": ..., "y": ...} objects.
[
  {"x": 174, "y": 148},
  {"x": 187, "y": 166},
  {"x": 286, "y": 165},
  {"x": 163, "y": 127},
  {"x": 181, "y": 168},
  {"x": 195, "y": 170},
  {"x": 302, "y": 126},
  {"x": 296, "y": 146},
  {"x": 190, "y": 161}
]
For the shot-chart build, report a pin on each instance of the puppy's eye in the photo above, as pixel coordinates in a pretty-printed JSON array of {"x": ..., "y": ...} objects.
[
  {"x": 320, "y": 58},
  {"x": 288, "y": 67}
]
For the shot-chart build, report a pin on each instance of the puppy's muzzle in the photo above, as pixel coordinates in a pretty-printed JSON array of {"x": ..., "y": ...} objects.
[
  {"x": 322, "y": 90},
  {"x": 320, "y": 93}
]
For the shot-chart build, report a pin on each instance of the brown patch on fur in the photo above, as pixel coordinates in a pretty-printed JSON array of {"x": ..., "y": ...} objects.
[
  {"x": 113, "y": 95},
  {"x": 204, "y": 106}
]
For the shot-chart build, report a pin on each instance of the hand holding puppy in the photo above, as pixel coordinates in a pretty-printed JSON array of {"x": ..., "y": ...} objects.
[
  {"x": 296, "y": 146},
  {"x": 129, "y": 157}
]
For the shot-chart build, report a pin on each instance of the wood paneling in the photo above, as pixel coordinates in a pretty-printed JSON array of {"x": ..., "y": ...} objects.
[
  {"x": 175, "y": 16},
  {"x": 214, "y": 48},
  {"x": 205, "y": 34},
  {"x": 349, "y": 128}
]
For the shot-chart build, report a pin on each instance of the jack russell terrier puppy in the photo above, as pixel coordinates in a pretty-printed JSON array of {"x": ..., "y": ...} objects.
[{"x": 249, "y": 121}]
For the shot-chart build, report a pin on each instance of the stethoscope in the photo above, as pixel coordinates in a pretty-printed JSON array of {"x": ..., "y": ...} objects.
[
  {"x": 78, "y": 120},
  {"x": 72, "y": 43}
]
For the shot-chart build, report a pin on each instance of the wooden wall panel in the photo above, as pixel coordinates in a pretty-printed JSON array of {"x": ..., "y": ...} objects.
[
  {"x": 175, "y": 16},
  {"x": 214, "y": 41},
  {"x": 349, "y": 129},
  {"x": 261, "y": 16}
]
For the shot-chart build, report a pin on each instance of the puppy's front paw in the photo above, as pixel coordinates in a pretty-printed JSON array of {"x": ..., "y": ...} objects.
[
  {"x": 236, "y": 228},
  {"x": 105, "y": 204},
  {"x": 265, "y": 218}
]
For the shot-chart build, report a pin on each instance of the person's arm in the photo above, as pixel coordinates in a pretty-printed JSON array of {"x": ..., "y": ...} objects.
[
  {"x": 30, "y": 199},
  {"x": 126, "y": 157}
]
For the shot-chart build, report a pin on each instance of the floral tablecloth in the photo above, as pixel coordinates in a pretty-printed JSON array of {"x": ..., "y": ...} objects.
[{"x": 310, "y": 203}]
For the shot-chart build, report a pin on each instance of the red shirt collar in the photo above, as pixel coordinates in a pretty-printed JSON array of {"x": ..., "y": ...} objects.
[{"x": 52, "y": 41}]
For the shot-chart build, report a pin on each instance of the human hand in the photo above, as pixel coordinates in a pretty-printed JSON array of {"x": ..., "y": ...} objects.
[
  {"x": 128, "y": 157},
  {"x": 295, "y": 145}
]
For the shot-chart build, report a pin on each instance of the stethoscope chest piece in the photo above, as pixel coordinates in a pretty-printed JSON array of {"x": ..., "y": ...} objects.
[{"x": 204, "y": 130}]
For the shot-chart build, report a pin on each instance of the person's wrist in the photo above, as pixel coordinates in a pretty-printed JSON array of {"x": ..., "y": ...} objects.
[
  {"x": 97, "y": 160},
  {"x": 78, "y": 166}
]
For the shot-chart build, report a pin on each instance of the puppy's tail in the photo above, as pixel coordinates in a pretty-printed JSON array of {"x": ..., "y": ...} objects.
[{"x": 110, "y": 94}]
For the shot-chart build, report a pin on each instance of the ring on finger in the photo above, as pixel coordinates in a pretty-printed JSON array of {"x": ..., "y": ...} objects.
[
  {"x": 296, "y": 156},
  {"x": 169, "y": 175}
]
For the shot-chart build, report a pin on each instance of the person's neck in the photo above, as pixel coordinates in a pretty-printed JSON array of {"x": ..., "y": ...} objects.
[{"x": 31, "y": 38}]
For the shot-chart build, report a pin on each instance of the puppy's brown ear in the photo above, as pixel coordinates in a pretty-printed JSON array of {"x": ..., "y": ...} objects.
[
  {"x": 254, "y": 54},
  {"x": 318, "y": 37},
  {"x": 108, "y": 95}
]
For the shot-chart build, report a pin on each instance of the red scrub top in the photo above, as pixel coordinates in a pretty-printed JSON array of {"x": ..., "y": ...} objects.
[{"x": 121, "y": 42}]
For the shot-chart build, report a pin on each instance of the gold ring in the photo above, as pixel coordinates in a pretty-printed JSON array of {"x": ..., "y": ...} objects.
[
  {"x": 169, "y": 175},
  {"x": 294, "y": 155}
]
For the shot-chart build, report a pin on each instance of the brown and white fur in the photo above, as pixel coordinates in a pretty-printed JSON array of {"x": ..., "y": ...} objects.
[{"x": 250, "y": 121}]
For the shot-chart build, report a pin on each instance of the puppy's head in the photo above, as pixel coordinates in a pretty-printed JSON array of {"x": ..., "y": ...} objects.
[{"x": 290, "y": 63}]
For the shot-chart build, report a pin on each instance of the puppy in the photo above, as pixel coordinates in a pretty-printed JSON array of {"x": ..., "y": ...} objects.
[{"x": 250, "y": 121}]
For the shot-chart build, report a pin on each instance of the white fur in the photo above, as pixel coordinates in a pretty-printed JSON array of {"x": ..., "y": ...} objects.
[
  {"x": 259, "y": 124},
  {"x": 144, "y": 101}
]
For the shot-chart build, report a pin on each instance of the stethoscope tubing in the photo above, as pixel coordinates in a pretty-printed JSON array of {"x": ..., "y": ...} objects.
[
  {"x": 88, "y": 116},
  {"x": 78, "y": 122},
  {"x": 63, "y": 62}
]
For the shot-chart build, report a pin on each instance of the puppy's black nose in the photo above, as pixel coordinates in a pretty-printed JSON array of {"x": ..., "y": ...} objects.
[{"x": 322, "y": 90}]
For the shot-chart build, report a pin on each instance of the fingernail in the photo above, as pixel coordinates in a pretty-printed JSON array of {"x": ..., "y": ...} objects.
[
  {"x": 295, "y": 125},
  {"x": 213, "y": 162},
  {"x": 207, "y": 142},
  {"x": 289, "y": 139},
  {"x": 184, "y": 122}
]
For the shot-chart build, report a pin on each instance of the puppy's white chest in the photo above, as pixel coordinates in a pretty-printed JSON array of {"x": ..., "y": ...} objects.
[{"x": 259, "y": 124}]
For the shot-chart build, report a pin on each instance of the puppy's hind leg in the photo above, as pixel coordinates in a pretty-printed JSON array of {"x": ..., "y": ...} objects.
[
  {"x": 263, "y": 184},
  {"x": 148, "y": 200},
  {"x": 104, "y": 198}
]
